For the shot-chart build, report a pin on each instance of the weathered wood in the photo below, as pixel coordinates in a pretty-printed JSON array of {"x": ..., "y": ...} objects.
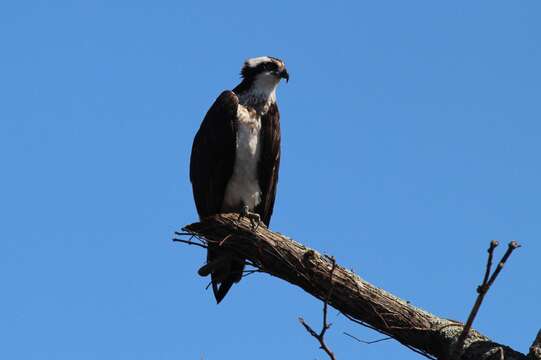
[{"x": 356, "y": 298}]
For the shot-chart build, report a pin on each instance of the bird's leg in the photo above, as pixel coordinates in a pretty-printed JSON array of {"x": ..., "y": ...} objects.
[{"x": 254, "y": 218}]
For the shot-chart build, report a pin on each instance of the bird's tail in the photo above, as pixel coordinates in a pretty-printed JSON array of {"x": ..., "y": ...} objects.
[{"x": 225, "y": 269}]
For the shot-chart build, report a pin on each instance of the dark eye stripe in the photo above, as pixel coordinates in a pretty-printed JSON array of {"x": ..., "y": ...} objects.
[
  {"x": 270, "y": 66},
  {"x": 247, "y": 71}
]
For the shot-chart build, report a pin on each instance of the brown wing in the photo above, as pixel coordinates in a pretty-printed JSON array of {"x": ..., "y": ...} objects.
[
  {"x": 213, "y": 154},
  {"x": 269, "y": 163},
  {"x": 211, "y": 167}
]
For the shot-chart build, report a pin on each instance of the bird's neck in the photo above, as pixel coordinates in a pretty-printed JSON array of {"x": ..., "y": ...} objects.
[{"x": 258, "y": 94}]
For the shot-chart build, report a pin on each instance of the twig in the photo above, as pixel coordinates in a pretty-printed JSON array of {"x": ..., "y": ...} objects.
[
  {"x": 252, "y": 264},
  {"x": 420, "y": 352},
  {"x": 183, "y": 233},
  {"x": 189, "y": 242},
  {"x": 493, "y": 245},
  {"x": 250, "y": 272},
  {"x": 483, "y": 289},
  {"x": 224, "y": 239},
  {"x": 321, "y": 336},
  {"x": 510, "y": 248},
  {"x": 367, "y": 342}
]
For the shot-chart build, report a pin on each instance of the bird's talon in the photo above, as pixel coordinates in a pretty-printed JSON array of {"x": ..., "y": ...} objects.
[{"x": 254, "y": 218}]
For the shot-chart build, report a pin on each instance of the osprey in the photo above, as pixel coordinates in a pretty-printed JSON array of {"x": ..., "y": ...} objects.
[{"x": 235, "y": 160}]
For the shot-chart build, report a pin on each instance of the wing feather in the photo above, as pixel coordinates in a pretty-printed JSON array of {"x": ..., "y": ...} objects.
[
  {"x": 269, "y": 163},
  {"x": 213, "y": 154}
]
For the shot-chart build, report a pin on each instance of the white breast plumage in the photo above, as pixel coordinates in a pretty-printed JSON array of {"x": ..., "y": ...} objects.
[{"x": 243, "y": 187}]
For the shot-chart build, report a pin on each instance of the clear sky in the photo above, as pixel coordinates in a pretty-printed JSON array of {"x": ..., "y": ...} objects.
[{"x": 411, "y": 138}]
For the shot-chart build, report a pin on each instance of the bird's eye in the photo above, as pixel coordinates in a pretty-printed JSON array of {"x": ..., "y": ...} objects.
[{"x": 269, "y": 66}]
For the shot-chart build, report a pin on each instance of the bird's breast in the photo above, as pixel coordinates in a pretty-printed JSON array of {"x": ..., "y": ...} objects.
[
  {"x": 248, "y": 130},
  {"x": 243, "y": 187}
]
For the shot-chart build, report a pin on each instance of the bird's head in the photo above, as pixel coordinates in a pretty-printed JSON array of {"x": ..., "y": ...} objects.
[{"x": 265, "y": 70}]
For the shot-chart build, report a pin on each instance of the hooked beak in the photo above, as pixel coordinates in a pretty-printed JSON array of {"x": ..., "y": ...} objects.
[{"x": 284, "y": 75}]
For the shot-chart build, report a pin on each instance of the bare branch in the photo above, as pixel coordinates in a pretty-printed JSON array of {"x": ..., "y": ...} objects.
[
  {"x": 321, "y": 336},
  {"x": 493, "y": 245},
  {"x": 246, "y": 273},
  {"x": 357, "y": 299},
  {"x": 510, "y": 248},
  {"x": 483, "y": 289},
  {"x": 189, "y": 241}
]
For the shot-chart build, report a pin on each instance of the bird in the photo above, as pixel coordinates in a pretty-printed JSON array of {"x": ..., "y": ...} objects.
[{"x": 235, "y": 160}]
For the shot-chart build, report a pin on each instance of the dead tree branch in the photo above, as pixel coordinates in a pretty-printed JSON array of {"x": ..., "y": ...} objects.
[
  {"x": 356, "y": 298},
  {"x": 190, "y": 240},
  {"x": 483, "y": 289},
  {"x": 321, "y": 336}
]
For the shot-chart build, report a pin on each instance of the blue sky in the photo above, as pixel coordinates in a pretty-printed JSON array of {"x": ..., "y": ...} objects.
[{"x": 411, "y": 138}]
